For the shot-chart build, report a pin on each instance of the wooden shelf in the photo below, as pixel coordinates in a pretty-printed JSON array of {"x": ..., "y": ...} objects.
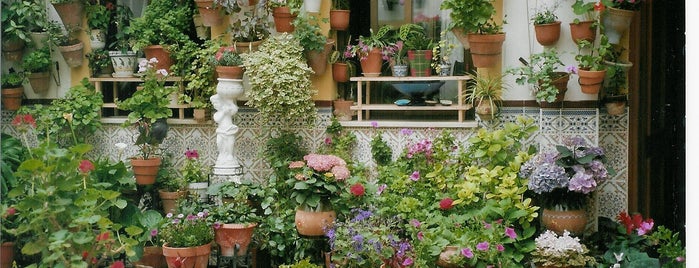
[{"x": 393, "y": 107}]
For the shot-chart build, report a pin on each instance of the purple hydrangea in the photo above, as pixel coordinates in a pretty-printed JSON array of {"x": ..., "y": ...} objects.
[
  {"x": 547, "y": 177},
  {"x": 362, "y": 215},
  {"x": 582, "y": 182}
]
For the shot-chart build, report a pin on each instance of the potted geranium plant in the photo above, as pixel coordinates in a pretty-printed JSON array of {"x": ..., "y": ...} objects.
[
  {"x": 587, "y": 29},
  {"x": 591, "y": 67},
  {"x": 541, "y": 71},
  {"x": 196, "y": 174},
  {"x": 546, "y": 25},
  {"x": 229, "y": 64},
  {"x": 317, "y": 182},
  {"x": 564, "y": 179},
  {"x": 474, "y": 18},
  {"x": 560, "y": 251},
  {"x": 186, "y": 239},
  {"x": 148, "y": 112}
]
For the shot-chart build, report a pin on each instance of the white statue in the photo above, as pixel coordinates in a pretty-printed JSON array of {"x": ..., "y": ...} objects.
[{"x": 227, "y": 91}]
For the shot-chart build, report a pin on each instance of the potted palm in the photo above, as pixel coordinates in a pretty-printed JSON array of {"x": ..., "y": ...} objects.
[
  {"x": 340, "y": 15},
  {"x": 316, "y": 45},
  {"x": 541, "y": 71},
  {"x": 475, "y": 18},
  {"x": 486, "y": 94},
  {"x": 12, "y": 90},
  {"x": 37, "y": 65},
  {"x": 546, "y": 25},
  {"x": 148, "y": 112}
]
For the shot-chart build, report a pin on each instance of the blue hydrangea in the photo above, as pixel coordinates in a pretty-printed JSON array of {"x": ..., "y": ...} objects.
[
  {"x": 582, "y": 182},
  {"x": 546, "y": 177}
]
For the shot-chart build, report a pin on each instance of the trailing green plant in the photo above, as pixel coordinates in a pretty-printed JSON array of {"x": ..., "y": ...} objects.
[
  {"x": 98, "y": 60},
  {"x": 594, "y": 61},
  {"x": 37, "y": 61},
  {"x": 307, "y": 31},
  {"x": 541, "y": 71},
  {"x": 280, "y": 85},
  {"x": 98, "y": 16},
  {"x": 201, "y": 76},
  {"x": 15, "y": 20},
  {"x": 473, "y": 16},
  {"x": 12, "y": 79}
]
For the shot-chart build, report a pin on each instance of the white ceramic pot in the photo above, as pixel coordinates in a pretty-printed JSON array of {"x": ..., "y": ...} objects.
[
  {"x": 199, "y": 189},
  {"x": 123, "y": 63}
]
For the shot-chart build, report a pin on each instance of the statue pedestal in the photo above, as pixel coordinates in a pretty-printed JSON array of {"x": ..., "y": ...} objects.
[{"x": 227, "y": 167}]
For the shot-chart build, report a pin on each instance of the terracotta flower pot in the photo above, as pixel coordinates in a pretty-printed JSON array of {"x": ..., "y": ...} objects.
[
  {"x": 615, "y": 107},
  {"x": 420, "y": 61},
  {"x": 227, "y": 236},
  {"x": 584, "y": 30},
  {"x": 160, "y": 53},
  {"x": 192, "y": 257},
  {"x": 340, "y": 72},
  {"x": 230, "y": 72},
  {"x": 371, "y": 64},
  {"x": 560, "y": 220},
  {"x": 71, "y": 14},
  {"x": 462, "y": 36},
  {"x": 591, "y": 81},
  {"x": 73, "y": 54},
  {"x": 13, "y": 49},
  {"x": 169, "y": 200},
  {"x": 318, "y": 60},
  {"x": 40, "y": 82},
  {"x": 7, "y": 254},
  {"x": 342, "y": 109},
  {"x": 313, "y": 223},
  {"x": 12, "y": 98},
  {"x": 153, "y": 257},
  {"x": 548, "y": 34},
  {"x": 561, "y": 84},
  {"x": 283, "y": 19},
  {"x": 486, "y": 49},
  {"x": 485, "y": 110},
  {"x": 145, "y": 170},
  {"x": 339, "y": 19},
  {"x": 211, "y": 15}
]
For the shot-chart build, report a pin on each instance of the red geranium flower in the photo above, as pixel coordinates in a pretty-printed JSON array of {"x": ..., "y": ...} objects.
[
  {"x": 446, "y": 204},
  {"x": 117, "y": 264},
  {"x": 86, "y": 166},
  {"x": 599, "y": 7},
  {"x": 103, "y": 236},
  {"x": 357, "y": 189},
  {"x": 20, "y": 119}
]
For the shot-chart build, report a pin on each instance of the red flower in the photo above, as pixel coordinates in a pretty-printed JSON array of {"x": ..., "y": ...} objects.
[
  {"x": 357, "y": 189},
  {"x": 86, "y": 166},
  {"x": 625, "y": 219},
  {"x": 117, "y": 264},
  {"x": 599, "y": 6},
  {"x": 24, "y": 119},
  {"x": 446, "y": 204},
  {"x": 85, "y": 254},
  {"x": 191, "y": 154},
  {"x": 11, "y": 211},
  {"x": 102, "y": 237}
]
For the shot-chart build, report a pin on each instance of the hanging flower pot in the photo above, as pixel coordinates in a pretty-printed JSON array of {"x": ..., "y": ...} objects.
[
  {"x": 558, "y": 220},
  {"x": 212, "y": 14},
  {"x": 313, "y": 222},
  {"x": 13, "y": 49},
  {"x": 616, "y": 22},
  {"x": 12, "y": 98},
  {"x": 230, "y": 72},
  {"x": 371, "y": 64},
  {"x": 169, "y": 200},
  {"x": 40, "y": 82},
  {"x": 97, "y": 39},
  {"x": 584, "y": 30},
  {"x": 159, "y": 52},
  {"x": 203, "y": 32},
  {"x": 39, "y": 39},
  {"x": 71, "y": 14},
  {"x": 227, "y": 236},
  {"x": 548, "y": 34},
  {"x": 192, "y": 257},
  {"x": 123, "y": 63},
  {"x": 462, "y": 36},
  {"x": 561, "y": 83},
  {"x": 283, "y": 19},
  {"x": 486, "y": 49},
  {"x": 420, "y": 61},
  {"x": 340, "y": 72},
  {"x": 591, "y": 81},
  {"x": 339, "y": 19},
  {"x": 145, "y": 170},
  {"x": 318, "y": 60},
  {"x": 73, "y": 54},
  {"x": 312, "y": 6}
]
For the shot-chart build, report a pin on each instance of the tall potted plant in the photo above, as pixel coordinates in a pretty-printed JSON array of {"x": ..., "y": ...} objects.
[
  {"x": 12, "y": 90},
  {"x": 148, "y": 112},
  {"x": 542, "y": 72},
  {"x": 123, "y": 59},
  {"x": 202, "y": 79},
  {"x": 485, "y": 36}
]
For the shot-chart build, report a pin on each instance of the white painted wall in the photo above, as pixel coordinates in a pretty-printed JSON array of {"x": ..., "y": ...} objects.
[{"x": 521, "y": 42}]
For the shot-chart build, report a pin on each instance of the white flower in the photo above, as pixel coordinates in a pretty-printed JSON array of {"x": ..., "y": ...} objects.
[
  {"x": 162, "y": 72},
  {"x": 120, "y": 146}
]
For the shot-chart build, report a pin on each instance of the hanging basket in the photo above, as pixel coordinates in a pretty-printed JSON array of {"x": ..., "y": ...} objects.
[
  {"x": 71, "y": 14},
  {"x": 73, "y": 54},
  {"x": 616, "y": 22},
  {"x": 561, "y": 83},
  {"x": 283, "y": 19},
  {"x": 211, "y": 14},
  {"x": 40, "y": 82},
  {"x": 339, "y": 19},
  {"x": 318, "y": 60},
  {"x": 584, "y": 30}
]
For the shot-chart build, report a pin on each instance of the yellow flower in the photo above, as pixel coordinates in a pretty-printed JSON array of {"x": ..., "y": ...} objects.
[{"x": 68, "y": 117}]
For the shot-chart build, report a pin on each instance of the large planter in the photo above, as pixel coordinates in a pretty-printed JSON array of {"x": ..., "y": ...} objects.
[
  {"x": 145, "y": 170},
  {"x": 342, "y": 110},
  {"x": 616, "y": 22},
  {"x": 169, "y": 200},
  {"x": 40, "y": 82},
  {"x": 312, "y": 5},
  {"x": 227, "y": 236},
  {"x": 159, "y": 52},
  {"x": 313, "y": 223},
  {"x": 462, "y": 36},
  {"x": 211, "y": 15},
  {"x": 123, "y": 63},
  {"x": 230, "y": 72},
  {"x": 73, "y": 54},
  {"x": 486, "y": 49},
  {"x": 199, "y": 190},
  {"x": 561, "y": 83},
  {"x": 152, "y": 257},
  {"x": 339, "y": 19},
  {"x": 71, "y": 14},
  {"x": 283, "y": 19},
  {"x": 420, "y": 61},
  {"x": 584, "y": 30},
  {"x": 98, "y": 39},
  {"x": 318, "y": 59},
  {"x": 371, "y": 64},
  {"x": 446, "y": 257},
  {"x": 192, "y": 257},
  {"x": 340, "y": 72},
  {"x": 12, "y": 98},
  {"x": 13, "y": 49},
  {"x": 548, "y": 34},
  {"x": 7, "y": 254},
  {"x": 560, "y": 220},
  {"x": 591, "y": 81}
]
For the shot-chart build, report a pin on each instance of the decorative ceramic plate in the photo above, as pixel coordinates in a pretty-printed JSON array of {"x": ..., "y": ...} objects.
[{"x": 402, "y": 102}]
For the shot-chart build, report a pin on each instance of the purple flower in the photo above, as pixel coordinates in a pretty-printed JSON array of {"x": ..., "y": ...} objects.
[
  {"x": 415, "y": 176},
  {"x": 374, "y": 124},
  {"x": 406, "y": 132},
  {"x": 420, "y": 236},
  {"x": 572, "y": 69},
  {"x": 415, "y": 223},
  {"x": 176, "y": 221},
  {"x": 381, "y": 188},
  {"x": 576, "y": 141},
  {"x": 582, "y": 182},
  {"x": 217, "y": 225},
  {"x": 153, "y": 232},
  {"x": 546, "y": 177},
  {"x": 407, "y": 262},
  {"x": 483, "y": 246},
  {"x": 510, "y": 232},
  {"x": 487, "y": 225},
  {"x": 500, "y": 247},
  {"x": 362, "y": 215},
  {"x": 467, "y": 253},
  {"x": 191, "y": 217}
]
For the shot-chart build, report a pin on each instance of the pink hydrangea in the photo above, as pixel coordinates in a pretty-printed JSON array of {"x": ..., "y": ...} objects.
[
  {"x": 296, "y": 164},
  {"x": 341, "y": 173},
  {"x": 322, "y": 163}
]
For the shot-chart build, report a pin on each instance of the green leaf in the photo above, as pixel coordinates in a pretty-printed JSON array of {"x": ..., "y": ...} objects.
[
  {"x": 133, "y": 230},
  {"x": 300, "y": 185},
  {"x": 32, "y": 247}
]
